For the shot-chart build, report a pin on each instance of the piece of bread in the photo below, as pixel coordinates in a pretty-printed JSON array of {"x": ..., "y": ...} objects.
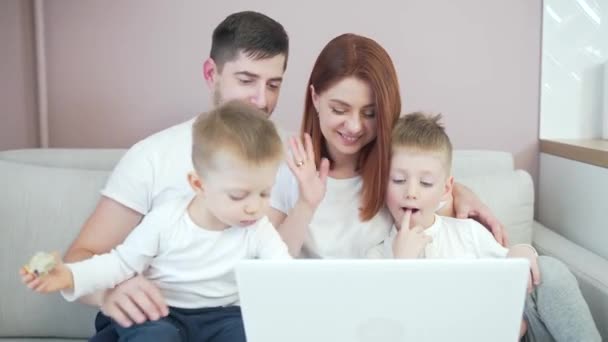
[{"x": 41, "y": 264}]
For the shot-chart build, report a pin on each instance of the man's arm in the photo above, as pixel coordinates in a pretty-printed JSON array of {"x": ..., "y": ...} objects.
[
  {"x": 137, "y": 299},
  {"x": 131, "y": 257},
  {"x": 125, "y": 199},
  {"x": 107, "y": 227}
]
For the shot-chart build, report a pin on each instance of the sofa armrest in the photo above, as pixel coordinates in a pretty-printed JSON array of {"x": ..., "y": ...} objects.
[{"x": 590, "y": 269}]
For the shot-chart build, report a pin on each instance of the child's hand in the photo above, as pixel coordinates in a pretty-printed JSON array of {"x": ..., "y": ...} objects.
[
  {"x": 312, "y": 183},
  {"x": 58, "y": 278},
  {"x": 410, "y": 243},
  {"x": 527, "y": 252}
]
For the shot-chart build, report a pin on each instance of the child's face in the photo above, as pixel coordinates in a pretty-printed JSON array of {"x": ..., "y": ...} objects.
[
  {"x": 418, "y": 181},
  {"x": 236, "y": 193}
]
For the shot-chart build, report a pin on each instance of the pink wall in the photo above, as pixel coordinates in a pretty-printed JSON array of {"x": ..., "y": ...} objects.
[
  {"x": 119, "y": 71},
  {"x": 18, "y": 120}
]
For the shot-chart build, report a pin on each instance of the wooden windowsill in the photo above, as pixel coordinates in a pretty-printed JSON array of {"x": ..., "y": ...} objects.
[{"x": 590, "y": 151}]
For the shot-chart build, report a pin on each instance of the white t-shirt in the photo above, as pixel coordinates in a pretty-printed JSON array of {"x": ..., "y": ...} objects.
[
  {"x": 452, "y": 238},
  {"x": 154, "y": 170},
  {"x": 192, "y": 266},
  {"x": 335, "y": 230}
]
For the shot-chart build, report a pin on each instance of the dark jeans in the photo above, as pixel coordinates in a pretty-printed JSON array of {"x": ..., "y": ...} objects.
[{"x": 222, "y": 324}]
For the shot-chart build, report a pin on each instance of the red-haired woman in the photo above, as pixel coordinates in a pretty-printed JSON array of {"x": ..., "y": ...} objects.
[{"x": 337, "y": 210}]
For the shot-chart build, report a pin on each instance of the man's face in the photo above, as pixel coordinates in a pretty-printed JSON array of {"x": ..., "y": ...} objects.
[{"x": 255, "y": 81}]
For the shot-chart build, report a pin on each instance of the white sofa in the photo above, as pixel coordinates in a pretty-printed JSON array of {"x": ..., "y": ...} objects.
[{"x": 47, "y": 195}]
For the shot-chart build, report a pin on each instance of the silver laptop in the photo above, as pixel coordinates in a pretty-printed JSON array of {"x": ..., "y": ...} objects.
[{"x": 382, "y": 300}]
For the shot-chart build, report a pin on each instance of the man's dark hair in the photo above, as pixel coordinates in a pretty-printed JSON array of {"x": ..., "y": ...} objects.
[{"x": 255, "y": 34}]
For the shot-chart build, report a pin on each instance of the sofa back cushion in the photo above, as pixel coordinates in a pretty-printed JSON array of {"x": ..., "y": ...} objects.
[
  {"x": 80, "y": 158},
  {"x": 507, "y": 192},
  {"x": 471, "y": 163},
  {"x": 510, "y": 196},
  {"x": 42, "y": 209}
]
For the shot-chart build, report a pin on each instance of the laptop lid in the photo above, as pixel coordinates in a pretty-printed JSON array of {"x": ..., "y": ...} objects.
[{"x": 382, "y": 300}]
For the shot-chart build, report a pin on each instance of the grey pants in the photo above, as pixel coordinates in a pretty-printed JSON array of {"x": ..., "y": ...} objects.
[{"x": 556, "y": 309}]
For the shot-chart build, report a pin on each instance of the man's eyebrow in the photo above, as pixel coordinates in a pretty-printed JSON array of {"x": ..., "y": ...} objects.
[
  {"x": 247, "y": 73},
  {"x": 252, "y": 75}
]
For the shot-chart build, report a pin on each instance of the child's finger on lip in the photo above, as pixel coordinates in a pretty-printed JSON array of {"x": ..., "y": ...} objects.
[{"x": 405, "y": 222}]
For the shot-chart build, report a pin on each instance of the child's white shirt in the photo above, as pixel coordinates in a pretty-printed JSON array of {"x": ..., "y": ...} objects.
[
  {"x": 335, "y": 231},
  {"x": 452, "y": 238},
  {"x": 192, "y": 266}
]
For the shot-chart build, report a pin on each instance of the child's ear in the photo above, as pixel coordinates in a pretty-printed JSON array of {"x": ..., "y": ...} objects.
[
  {"x": 195, "y": 181},
  {"x": 447, "y": 191}
]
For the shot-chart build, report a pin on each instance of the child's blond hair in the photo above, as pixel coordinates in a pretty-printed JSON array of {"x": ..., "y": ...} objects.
[
  {"x": 423, "y": 132},
  {"x": 237, "y": 128}
]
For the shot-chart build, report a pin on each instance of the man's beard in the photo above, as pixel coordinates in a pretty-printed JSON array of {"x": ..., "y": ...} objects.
[
  {"x": 217, "y": 96},
  {"x": 218, "y": 100}
]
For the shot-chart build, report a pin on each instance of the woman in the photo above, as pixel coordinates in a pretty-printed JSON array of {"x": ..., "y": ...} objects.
[{"x": 352, "y": 102}]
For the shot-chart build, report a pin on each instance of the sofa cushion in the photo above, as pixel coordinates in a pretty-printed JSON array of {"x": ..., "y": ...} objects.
[
  {"x": 473, "y": 163},
  {"x": 81, "y": 158},
  {"x": 42, "y": 209},
  {"x": 510, "y": 196}
]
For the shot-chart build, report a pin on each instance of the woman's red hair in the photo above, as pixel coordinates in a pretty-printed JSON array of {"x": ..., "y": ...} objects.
[{"x": 350, "y": 55}]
